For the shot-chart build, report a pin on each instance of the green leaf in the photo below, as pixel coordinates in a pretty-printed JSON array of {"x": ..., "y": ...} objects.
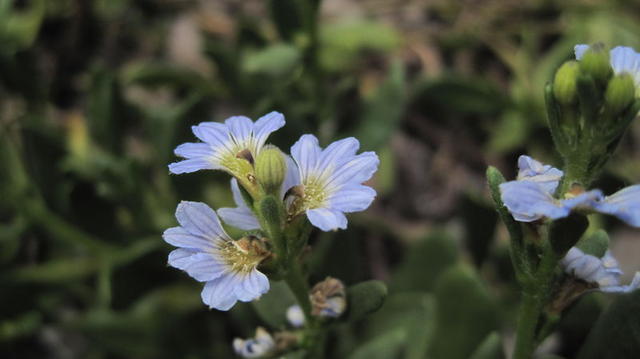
[
  {"x": 616, "y": 334},
  {"x": 386, "y": 346},
  {"x": 365, "y": 298},
  {"x": 384, "y": 109},
  {"x": 465, "y": 314},
  {"x": 595, "y": 244},
  {"x": 491, "y": 348},
  {"x": 272, "y": 307},
  {"x": 275, "y": 60},
  {"x": 426, "y": 260}
]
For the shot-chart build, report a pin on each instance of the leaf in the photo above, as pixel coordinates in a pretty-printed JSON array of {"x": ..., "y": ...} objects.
[
  {"x": 616, "y": 334},
  {"x": 383, "y": 111},
  {"x": 491, "y": 348},
  {"x": 272, "y": 307},
  {"x": 365, "y": 298},
  {"x": 426, "y": 260},
  {"x": 275, "y": 60},
  {"x": 465, "y": 314}
]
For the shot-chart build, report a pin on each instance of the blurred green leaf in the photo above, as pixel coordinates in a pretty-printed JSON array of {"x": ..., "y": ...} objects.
[
  {"x": 383, "y": 110},
  {"x": 342, "y": 42},
  {"x": 365, "y": 298},
  {"x": 275, "y": 60},
  {"x": 272, "y": 306},
  {"x": 491, "y": 348},
  {"x": 465, "y": 314},
  {"x": 616, "y": 334},
  {"x": 18, "y": 29},
  {"x": 426, "y": 260},
  {"x": 26, "y": 324}
]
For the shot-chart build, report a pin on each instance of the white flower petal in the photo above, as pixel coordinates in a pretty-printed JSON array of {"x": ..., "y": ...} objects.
[
  {"x": 179, "y": 237},
  {"x": 219, "y": 293},
  {"x": 205, "y": 267},
  {"x": 580, "y": 50},
  {"x": 240, "y": 217},
  {"x": 199, "y": 219},
  {"x": 306, "y": 153},
  {"x": 241, "y": 128},
  {"x": 266, "y": 125},
  {"x": 193, "y": 150},
  {"x": 352, "y": 198},
  {"x": 251, "y": 286},
  {"x": 356, "y": 171},
  {"x": 180, "y": 258},
  {"x": 191, "y": 165},
  {"x": 326, "y": 219}
]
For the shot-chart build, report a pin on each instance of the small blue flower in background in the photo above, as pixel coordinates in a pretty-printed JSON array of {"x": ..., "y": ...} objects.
[
  {"x": 259, "y": 346},
  {"x": 242, "y": 216},
  {"x": 624, "y": 204},
  {"x": 295, "y": 316},
  {"x": 331, "y": 181},
  {"x": 222, "y": 143},
  {"x": 604, "y": 272},
  {"x": 623, "y": 59},
  {"x": 209, "y": 255}
]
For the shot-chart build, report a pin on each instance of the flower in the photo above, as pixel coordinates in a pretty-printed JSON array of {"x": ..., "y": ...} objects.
[
  {"x": 603, "y": 272},
  {"x": 530, "y": 197},
  {"x": 230, "y": 146},
  {"x": 242, "y": 216},
  {"x": 208, "y": 254},
  {"x": 331, "y": 181},
  {"x": 328, "y": 298},
  {"x": 295, "y": 316},
  {"x": 261, "y": 345},
  {"x": 623, "y": 59},
  {"x": 624, "y": 204},
  {"x": 546, "y": 176}
]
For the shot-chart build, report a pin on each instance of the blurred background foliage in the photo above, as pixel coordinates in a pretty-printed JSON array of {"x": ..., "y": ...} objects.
[{"x": 94, "y": 96}]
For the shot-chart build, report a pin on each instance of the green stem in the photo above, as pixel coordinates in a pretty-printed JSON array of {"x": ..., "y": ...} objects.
[
  {"x": 298, "y": 285},
  {"x": 528, "y": 318}
]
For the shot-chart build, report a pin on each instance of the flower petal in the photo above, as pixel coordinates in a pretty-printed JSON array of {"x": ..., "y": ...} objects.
[
  {"x": 191, "y": 165},
  {"x": 251, "y": 286},
  {"x": 352, "y": 198},
  {"x": 241, "y": 216},
  {"x": 527, "y": 201},
  {"x": 240, "y": 128},
  {"x": 356, "y": 171},
  {"x": 181, "y": 257},
  {"x": 205, "y": 267},
  {"x": 266, "y": 125},
  {"x": 180, "y": 237},
  {"x": 194, "y": 150},
  {"x": 219, "y": 293},
  {"x": 545, "y": 175},
  {"x": 291, "y": 178},
  {"x": 624, "y": 204},
  {"x": 580, "y": 50},
  {"x": 306, "y": 153},
  {"x": 326, "y": 219},
  {"x": 337, "y": 153},
  {"x": 625, "y": 60},
  {"x": 199, "y": 219}
]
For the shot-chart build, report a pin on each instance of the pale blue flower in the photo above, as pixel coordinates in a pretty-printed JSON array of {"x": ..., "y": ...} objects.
[
  {"x": 208, "y": 254},
  {"x": 331, "y": 181},
  {"x": 624, "y": 204},
  {"x": 528, "y": 201},
  {"x": 295, "y": 316},
  {"x": 259, "y": 346},
  {"x": 225, "y": 146},
  {"x": 242, "y": 216},
  {"x": 604, "y": 272},
  {"x": 623, "y": 59},
  {"x": 546, "y": 176}
]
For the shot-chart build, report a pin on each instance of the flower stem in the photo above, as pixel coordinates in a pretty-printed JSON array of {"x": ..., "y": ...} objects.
[{"x": 298, "y": 285}]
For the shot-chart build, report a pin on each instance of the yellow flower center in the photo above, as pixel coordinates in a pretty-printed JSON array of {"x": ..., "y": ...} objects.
[{"x": 243, "y": 255}]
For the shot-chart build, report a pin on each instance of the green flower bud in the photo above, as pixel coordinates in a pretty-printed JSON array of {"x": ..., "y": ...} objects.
[
  {"x": 620, "y": 93},
  {"x": 270, "y": 169},
  {"x": 595, "y": 62},
  {"x": 564, "y": 83}
]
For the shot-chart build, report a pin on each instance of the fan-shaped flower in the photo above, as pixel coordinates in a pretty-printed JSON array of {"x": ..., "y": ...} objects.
[
  {"x": 603, "y": 272},
  {"x": 331, "y": 181},
  {"x": 205, "y": 251},
  {"x": 230, "y": 146},
  {"x": 624, "y": 204}
]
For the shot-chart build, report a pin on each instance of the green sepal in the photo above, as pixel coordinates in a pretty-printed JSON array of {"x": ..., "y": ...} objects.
[
  {"x": 590, "y": 99},
  {"x": 595, "y": 244},
  {"x": 554, "y": 119},
  {"x": 564, "y": 233},
  {"x": 364, "y": 298}
]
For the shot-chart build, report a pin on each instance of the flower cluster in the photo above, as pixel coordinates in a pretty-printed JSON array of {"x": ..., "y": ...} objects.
[
  {"x": 320, "y": 184},
  {"x": 623, "y": 60},
  {"x": 531, "y": 196}
]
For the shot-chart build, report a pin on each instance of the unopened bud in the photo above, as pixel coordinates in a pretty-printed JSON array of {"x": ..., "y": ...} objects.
[
  {"x": 564, "y": 83},
  {"x": 595, "y": 62},
  {"x": 328, "y": 298},
  {"x": 620, "y": 93},
  {"x": 259, "y": 346},
  {"x": 270, "y": 169}
]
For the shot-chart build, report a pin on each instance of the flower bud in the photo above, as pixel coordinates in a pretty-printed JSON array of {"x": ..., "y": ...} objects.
[
  {"x": 259, "y": 346},
  {"x": 270, "y": 169},
  {"x": 328, "y": 298},
  {"x": 620, "y": 93},
  {"x": 564, "y": 83},
  {"x": 595, "y": 62}
]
